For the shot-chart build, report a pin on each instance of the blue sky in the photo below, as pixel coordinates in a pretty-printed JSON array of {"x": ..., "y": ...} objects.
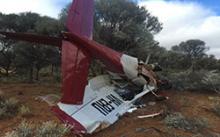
[
  {"x": 187, "y": 19},
  {"x": 182, "y": 19},
  {"x": 212, "y": 4}
]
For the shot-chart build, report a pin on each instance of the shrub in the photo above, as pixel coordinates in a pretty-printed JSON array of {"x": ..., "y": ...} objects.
[
  {"x": 212, "y": 80},
  {"x": 216, "y": 109},
  {"x": 8, "y": 107},
  {"x": 47, "y": 129},
  {"x": 25, "y": 111},
  {"x": 177, "y": 120},
  {"x": 52, "y": 129},
  {"x": 23, "y": 130},
  {"x": 203, "y": 79}
]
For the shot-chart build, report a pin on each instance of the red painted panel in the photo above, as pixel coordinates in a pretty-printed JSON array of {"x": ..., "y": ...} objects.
[
  {"x": 41, "y": 39},
  {"x": 109, "y": 57},
  {"x": 77, "y": 127},
  {"x": 75, "y": 69},
  {"x": 80, "y": 18},
  {"x": 75, "y": 61}
]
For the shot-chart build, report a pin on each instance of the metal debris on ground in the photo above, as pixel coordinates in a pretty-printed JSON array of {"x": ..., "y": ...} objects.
[
  {"x": 151, "y": 115},
  {"x": 132, "y": 110},
  {"x": 50, "y": 99}
]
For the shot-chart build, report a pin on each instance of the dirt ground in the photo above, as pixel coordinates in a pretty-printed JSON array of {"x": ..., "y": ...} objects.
[{"x": 190, "y": 104}]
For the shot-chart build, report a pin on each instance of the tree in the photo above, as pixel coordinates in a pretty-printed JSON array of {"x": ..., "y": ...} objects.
[
  {"x": 51, "y": 27},
  {"x": 7, "y": 55},
  {"x": 29, "y": 57},
  {"x": 123, "y": 26},
  {"x": 6, "y": 49},
  {"x": 192, "y": 49},
  {"x": 208, "y": 62},
  {"x": 48, "y": 26}
]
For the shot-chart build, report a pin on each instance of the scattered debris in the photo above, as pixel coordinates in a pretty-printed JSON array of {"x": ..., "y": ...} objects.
[
  {"x": 132, "y": 110},
  {"x": 50, "y": 99},
  {"x": 151, "y": 103},
  {"x": 151, "y": 115},
  {"x": 159, "y": 97}
]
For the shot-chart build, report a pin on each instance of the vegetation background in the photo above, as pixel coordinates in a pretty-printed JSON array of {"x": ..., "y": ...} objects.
[{"x": 121, "y": 25}]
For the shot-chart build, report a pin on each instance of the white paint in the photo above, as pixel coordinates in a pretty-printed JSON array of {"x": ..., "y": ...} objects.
[
  {"x": 130, "y": 65},
  {"x": 89, "y": 116}
]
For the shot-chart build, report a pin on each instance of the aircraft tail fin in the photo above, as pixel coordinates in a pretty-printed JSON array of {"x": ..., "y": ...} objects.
[
  {"x": 80, "y": 18},
  {"x": 75, "y": 60}
]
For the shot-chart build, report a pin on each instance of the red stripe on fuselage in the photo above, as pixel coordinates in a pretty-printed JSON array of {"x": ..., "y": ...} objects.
[{"x": 66, "y": 119}]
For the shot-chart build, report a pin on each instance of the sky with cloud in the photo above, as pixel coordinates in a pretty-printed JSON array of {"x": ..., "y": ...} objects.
[
  {"x": 44, "y": 7},
  {"x": 182, "y": 19}
]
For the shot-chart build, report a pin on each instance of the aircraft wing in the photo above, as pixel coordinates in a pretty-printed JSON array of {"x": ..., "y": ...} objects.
[{"x": 47, "y": 40}]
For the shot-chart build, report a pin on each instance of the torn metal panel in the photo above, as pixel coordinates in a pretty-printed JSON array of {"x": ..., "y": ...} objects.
[{"x": 103, "y": 105}]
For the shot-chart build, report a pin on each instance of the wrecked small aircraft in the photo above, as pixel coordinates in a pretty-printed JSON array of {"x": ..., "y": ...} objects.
[{"x": 95, "y": 104}]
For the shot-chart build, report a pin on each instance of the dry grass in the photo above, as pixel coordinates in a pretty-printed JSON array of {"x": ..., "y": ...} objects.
[
  {"x": 47, "y": 129},
  {"x": 25, "y": 111},
  {"x": 177, "y": 120},
  {"x": 24, "y": 130}
]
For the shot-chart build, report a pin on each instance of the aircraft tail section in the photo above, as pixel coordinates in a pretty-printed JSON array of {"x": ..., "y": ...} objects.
[
  {"x": 75, "y": 60},
  {"x": 80, "y": 18}
]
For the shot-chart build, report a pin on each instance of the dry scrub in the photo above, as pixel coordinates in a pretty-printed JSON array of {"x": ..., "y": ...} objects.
[
  {"x": 8, "y": 107},
  {"x": 47, "y": 129},
  {"x": 177, "y": 120}
]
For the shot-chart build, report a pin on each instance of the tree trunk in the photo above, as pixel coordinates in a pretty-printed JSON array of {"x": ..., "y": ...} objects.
[
  {"x": 193, "y": 66},
  {"x": 7, "y": 70},
  {"x": 37, "y": 74},
  {"x": 7, "y": 73},
  {"x": 31, "y": 75},
  {"x": 52, "y": 69}
]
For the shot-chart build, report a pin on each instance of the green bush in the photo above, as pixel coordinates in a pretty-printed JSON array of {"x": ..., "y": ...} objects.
[
  {"x": 212, "y": 81},
  {"x": 188, "y": 80},
  {"x": 8, "y": 107},
  {"x": 177, "y": 120},
  {"x": 216, "y": 109}
]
